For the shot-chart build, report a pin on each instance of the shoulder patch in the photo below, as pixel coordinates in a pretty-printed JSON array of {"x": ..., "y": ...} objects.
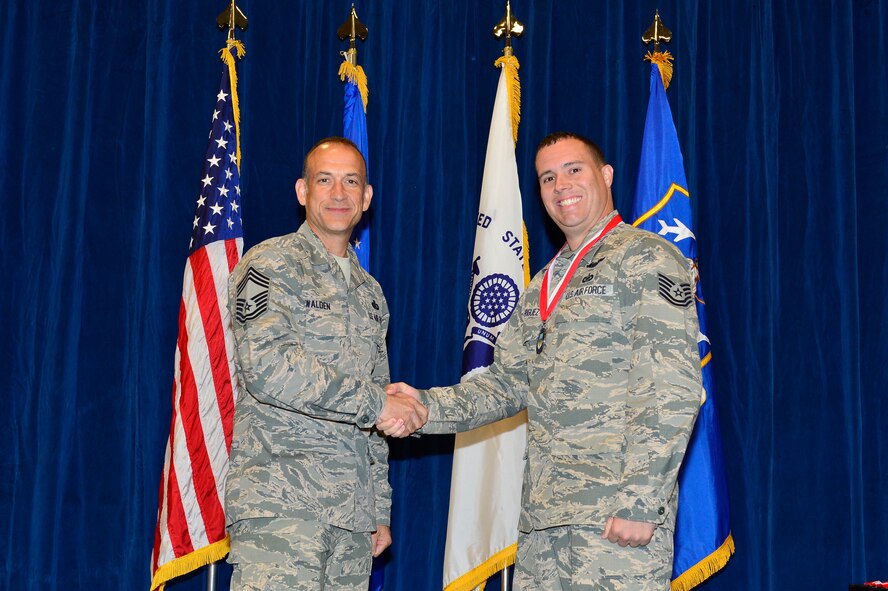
[
  {"x": 252, "y": 296},
  {"x": 678, "y": 294}
]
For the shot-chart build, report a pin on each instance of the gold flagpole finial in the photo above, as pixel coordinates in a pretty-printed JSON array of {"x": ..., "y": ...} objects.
[
  {"x": 352, "y": 29},
  {"x": 508, "y": 27},
  {"x": 656, "y": 33},
  {"x": 231, "y": 18}
]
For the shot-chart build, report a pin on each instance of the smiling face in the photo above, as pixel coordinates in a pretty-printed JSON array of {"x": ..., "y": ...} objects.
[
  {"x": 575, "y": 187},
  {"x": 335, "y": 193}
]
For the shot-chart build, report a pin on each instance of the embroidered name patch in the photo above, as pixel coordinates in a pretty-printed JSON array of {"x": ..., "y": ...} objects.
[
  {"x": 317, "y": 304},
  {"x": 252, "y": 296},
  {"x": 675, "y": 293},
  {"x": 591, "y": 290}
]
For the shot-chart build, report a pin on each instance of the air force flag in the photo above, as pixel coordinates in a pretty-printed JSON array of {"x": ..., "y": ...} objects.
[{"x": 703, "y": 542}]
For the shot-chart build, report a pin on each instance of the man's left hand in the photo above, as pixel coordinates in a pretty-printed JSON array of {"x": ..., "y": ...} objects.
[
  {"x": 628, "y": 533},
  {"x": 380, "y": 539}
]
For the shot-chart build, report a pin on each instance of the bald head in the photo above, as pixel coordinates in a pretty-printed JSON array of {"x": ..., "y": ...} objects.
[{"x": 330, "y": 141}]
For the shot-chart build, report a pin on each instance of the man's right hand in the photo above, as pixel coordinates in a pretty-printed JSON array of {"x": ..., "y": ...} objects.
[{"x": 403, "y": 413}]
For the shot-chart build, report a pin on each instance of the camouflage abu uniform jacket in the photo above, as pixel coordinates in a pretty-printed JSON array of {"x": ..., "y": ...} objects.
[
  {"x": 613, "y": 395},
  {"x": 310, "y": 356}
]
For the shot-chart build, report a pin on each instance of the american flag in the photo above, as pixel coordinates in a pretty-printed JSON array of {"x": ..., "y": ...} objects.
[{"x": 190, "y": 529}]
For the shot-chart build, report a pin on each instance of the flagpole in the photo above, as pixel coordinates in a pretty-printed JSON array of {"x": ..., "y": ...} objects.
[
  {"x": 230, "y": 18},
  {"x": 507, "y": 27}
]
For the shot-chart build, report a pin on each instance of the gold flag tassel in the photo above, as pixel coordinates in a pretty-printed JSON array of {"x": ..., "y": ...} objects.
[
  {"x": 664, "y": 60},
  {"x": 510, "y": 65},
  {"x": 356, "y": 76},
  {"x": 232, "y": 74}
]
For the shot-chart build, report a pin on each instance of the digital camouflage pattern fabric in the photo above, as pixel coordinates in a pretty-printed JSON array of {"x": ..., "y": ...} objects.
[
  {"x": 611, "y": 397},
  {"x": 279, "y": 553},
  {"x": 577, "y": 558},
  {"x": 312, "y": 359}
]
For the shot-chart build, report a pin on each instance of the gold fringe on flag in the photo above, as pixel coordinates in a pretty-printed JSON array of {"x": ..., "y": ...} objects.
[
  {"x": 190, "y": 562},
  {"x": 356, "y": 76},
  {"x": 232, "y": 74},
  {"x": 477, "y": 577},
  {"x": 510, "y": 66},
  {"x": 664, "y": 60},
  {"x": 526, "y": 254},
  {"x": 705, "y": 568}
]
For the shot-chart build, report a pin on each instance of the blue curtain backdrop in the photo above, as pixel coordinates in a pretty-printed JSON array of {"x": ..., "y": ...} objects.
[{"x": 782, "y": 114}]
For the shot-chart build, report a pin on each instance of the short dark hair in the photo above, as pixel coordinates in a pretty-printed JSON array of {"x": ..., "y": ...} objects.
[
  {"x": 557, "y": 136},
  {"x": 333, "y": 139}
]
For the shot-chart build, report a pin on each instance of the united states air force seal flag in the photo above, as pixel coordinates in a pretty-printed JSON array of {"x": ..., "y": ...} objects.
[
  {"x": 703, "y": 542},
  {"x": 483, "y": 522},
  {"x": 354, "y": 128}
]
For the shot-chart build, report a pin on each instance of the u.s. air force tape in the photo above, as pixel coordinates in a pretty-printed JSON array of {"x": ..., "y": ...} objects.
[
  {"x": 675, "y": 293},
  {"x": 252, "y": 296}
]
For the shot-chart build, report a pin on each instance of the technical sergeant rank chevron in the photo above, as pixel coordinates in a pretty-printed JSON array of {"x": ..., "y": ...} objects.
[{"x": 675, "y": 293}]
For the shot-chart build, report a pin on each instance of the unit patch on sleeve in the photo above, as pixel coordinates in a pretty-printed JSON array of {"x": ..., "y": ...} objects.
[
  {"x": 675, "y": 293},
  {"x": 252, "y": 296}
]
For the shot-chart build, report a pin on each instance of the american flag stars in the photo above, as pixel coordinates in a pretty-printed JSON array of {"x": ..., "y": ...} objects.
[{"x": 217, "y": 214}]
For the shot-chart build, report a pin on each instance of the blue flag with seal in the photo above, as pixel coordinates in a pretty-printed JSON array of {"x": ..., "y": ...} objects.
[
  {"x": 354, "y": 128},
  {"x": 703, "y": 541}
]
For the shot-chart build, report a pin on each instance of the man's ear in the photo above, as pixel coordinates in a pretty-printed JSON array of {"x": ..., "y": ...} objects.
[
  {"x": 607, "y": 171},
  {"x": 368, "y": 197}
]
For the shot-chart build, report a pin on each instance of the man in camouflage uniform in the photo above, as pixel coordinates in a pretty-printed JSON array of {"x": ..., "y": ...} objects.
[
  {"x": 307, "y": 496},
  {"x": 611, "y": 382}
]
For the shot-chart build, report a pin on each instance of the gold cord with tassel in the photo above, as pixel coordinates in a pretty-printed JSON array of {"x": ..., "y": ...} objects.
[
  {"x": 356, "y": 76},
  {"x": 664, "y": 60},
  {"x": 510, "y": 66},
  {"x": 232, "y": 74}
]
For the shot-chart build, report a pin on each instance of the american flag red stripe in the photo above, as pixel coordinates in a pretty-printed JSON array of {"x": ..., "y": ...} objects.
[
  {"x": 208, "y": 298},
  {"x": 200, "y": 433},
  {"x": 190, "y": 529},
  {"x": 202, "y": 477}
]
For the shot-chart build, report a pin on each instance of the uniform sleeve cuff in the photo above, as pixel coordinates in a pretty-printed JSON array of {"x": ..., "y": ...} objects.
[
  {"x": 643, "y": 509},
  {"x": 372, "y": 399}
]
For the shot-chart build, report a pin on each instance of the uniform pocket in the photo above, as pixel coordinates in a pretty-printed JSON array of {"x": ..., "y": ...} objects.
[{"x": 324, "y": 330}]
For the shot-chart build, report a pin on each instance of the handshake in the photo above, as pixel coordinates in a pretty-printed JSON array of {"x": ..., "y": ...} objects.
[{"x": 403, "y": 413}]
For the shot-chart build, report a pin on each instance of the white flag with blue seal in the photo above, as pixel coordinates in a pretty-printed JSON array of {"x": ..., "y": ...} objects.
[{"x": 485, "y": 491}]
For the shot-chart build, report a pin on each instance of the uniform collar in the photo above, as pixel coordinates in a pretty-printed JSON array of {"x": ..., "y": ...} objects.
[
  {"x": 321, "y": 259},
  {"x": 567, "y": 252}
]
